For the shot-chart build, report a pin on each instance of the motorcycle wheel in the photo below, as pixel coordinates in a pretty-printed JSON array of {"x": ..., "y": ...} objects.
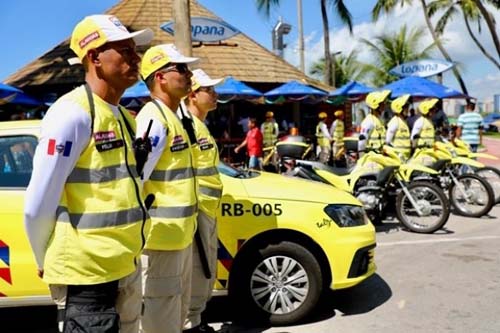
[
  {"x": 492, "y": 176},
  {"x": 432, "y": 202},
  {"x": 472, "y": 196}
]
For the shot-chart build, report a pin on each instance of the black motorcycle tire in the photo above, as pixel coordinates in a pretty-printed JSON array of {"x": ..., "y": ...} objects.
[
  {"x": 438, "y": 224},
  {"x": 487, "y": 187},
  {"x": 492, "y": 176}
]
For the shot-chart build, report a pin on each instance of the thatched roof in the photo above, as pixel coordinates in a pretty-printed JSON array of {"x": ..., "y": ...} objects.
[{"x": 243, "y": 58}]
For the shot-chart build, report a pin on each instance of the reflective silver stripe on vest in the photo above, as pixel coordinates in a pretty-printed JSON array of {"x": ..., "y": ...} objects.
[
  {"x": 107, "y": 174},
  {"x": 169, "y": 175},
  {"x": 99, "y": 220},
  {"x": 210, "y": 171},
  {"x": 173, "y": 212},
  {"x": 211, "y": 192}
]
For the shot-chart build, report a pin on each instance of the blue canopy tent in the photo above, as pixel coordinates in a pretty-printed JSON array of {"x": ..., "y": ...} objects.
[
  {"x": 421, "y": 87},
  {"x": 295, "y": 91},
  {"x": 232, "y": 89},
  {"x": 352, "y": 89},
  {"x": 13, "y": 95}
]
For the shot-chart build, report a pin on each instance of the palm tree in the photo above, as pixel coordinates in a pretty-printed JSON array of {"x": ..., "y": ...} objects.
[
  {"x": 342, "y": 12},
  {"x": 490, "y": 21},
  {"x": 469, "y": 11},
  {"x": 347, "y": 68},
  {"x": 388, "y": 5},
  {"x": 391, "y": 50}
]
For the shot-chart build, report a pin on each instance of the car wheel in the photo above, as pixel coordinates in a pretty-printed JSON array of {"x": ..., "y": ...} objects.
[{"x": 278, "y": 283}]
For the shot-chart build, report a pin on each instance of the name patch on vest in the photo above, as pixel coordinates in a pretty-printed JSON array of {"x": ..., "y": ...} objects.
[
  {"x": 205, "y": 144},
  {"x": 108, "y": 145},
  {"x": 104, "y": 136},
  {"x": 178, "y": 144}
]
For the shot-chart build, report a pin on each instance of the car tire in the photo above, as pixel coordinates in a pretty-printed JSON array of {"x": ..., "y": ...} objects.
[{"x": 261, "y": 292}]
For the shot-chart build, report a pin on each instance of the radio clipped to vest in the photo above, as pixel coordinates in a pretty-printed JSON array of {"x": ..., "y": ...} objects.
[{"x": 142, "y": 148}]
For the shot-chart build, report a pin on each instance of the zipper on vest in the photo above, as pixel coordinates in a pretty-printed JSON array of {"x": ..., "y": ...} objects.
[{"x": 137, "y": 192}]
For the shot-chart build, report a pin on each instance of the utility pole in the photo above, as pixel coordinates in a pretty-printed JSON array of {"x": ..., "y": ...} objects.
[
  {"x": 182, "y": 27},
  {"x": 301, "y": 36}
]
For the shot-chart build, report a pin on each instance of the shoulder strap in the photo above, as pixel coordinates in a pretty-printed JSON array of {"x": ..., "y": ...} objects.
[
  {"x": 155, "y": 102},
  {"x": 127, "y": 124},
  {"x": 91, "y": 106},
  {"x": 187, "y": 123}
]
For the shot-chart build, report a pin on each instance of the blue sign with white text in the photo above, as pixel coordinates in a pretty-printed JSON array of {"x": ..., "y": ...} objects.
[{"x": 204, "y": 29}]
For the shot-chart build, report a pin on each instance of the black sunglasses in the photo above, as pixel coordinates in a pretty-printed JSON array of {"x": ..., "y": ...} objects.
[{"x": 180, "y": 68}]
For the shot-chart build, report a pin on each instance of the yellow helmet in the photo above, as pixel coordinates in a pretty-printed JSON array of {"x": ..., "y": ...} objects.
[
  {"x": 374, "y": 99},
  {"x": 398, "y": 104},
  {"x": 427, "y": 105},
  {"x": 322, "y": 115},
  {"x": 269, "y": 114},
  {"x": 338, "y": 113}
]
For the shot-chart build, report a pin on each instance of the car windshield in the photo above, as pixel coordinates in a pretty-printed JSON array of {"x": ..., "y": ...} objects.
[{"x": 230, "y": 171}]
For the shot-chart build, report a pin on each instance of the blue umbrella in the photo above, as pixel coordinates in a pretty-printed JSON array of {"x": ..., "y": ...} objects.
[
  {"x": 232, "y": 89},
  {"x": 10, "y": 94},
  {"x": 352, "y": 89},
  {"x": 294, "y": 91},
  {"x": 421, "y": 87},
  {"x": 138, "y": 90}
]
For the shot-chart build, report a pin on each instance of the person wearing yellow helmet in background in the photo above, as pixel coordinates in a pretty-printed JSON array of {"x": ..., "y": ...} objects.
[
  {"x": 270, "y": 130},
  {"x": 323, "y": 139},
  {"x": 337, "y": 131},
  {"x": 372, "y": 133},
  {"x": 398, "y": 132},
  {"x": 423, "y": 133}
]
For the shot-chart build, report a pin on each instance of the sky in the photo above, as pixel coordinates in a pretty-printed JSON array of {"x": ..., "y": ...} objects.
[{"x": 32, "y": 27}]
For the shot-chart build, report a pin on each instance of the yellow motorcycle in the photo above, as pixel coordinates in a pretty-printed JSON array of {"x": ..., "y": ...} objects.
[
  {"x": 489, "y": 173},
  {"x": 469, "y": 194},
  {"x": 378, "y": 182}
]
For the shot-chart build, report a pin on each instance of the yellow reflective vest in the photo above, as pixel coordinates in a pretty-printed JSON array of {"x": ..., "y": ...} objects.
[
  {"x": 205, "y": 160},
  {"x": 172, "y": 181},
  {"x": 427, "y": 134},
  {"x": 401, "y": 140},
  {"x": 320, "y": 137},
  {"x": 338, "y": 133},
  {"x": 101, "y": 222},
  {"x": 377, "y": 135},
  {"x": 269, "y": 133}
]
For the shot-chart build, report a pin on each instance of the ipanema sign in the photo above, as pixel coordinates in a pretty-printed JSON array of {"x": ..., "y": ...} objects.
[
  {"x": 422, "y": 68},
  {"x": 204, "y": 29}
]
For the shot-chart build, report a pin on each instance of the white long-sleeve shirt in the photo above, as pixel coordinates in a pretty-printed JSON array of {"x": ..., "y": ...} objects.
[
  {"x": 417, "y": 128},
  {"x": 392, "y": 128},
  {"x": 66, "y": 124},
  {"x": 367, "y": 126}
]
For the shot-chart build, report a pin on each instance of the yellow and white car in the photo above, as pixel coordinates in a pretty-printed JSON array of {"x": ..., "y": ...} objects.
[{"x": 282, "y": 241}]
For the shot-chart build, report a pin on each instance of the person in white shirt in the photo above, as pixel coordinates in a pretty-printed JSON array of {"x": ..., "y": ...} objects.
[
  {"x": 323, "y": 139},
  {"x": 201, "y": 101},
  {"x": 87, "y": 247},
  {"x": 372, "y": 133}
]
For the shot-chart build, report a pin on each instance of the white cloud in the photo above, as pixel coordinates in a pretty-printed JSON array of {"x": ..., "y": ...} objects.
[{"x": 476, "y": 68}]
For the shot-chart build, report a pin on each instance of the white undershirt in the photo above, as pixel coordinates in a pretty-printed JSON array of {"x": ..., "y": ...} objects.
[
  {"x": 392, "y": 128},
  {"x": 65, "y": 121}
]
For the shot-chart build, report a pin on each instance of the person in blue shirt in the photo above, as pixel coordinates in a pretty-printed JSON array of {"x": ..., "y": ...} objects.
[{"x": 470, "y": 126}]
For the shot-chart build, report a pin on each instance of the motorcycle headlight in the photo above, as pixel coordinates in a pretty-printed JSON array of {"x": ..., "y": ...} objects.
[{"x": 347, "y": 215}]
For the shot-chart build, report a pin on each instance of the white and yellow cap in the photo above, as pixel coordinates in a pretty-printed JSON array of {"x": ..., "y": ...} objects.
[
  {"x": 159, "y": 55},
  {"x": 202, "y": 79},
  {"x": 96, "y": 30}
]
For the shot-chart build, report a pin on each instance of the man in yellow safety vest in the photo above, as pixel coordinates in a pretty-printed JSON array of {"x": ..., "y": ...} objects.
[{"x": 398, "y": 133}]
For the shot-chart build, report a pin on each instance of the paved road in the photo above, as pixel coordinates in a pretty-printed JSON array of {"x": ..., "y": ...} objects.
[
  {"x": 492, "y": 147},
  {"x": 445, "y": 282}
]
